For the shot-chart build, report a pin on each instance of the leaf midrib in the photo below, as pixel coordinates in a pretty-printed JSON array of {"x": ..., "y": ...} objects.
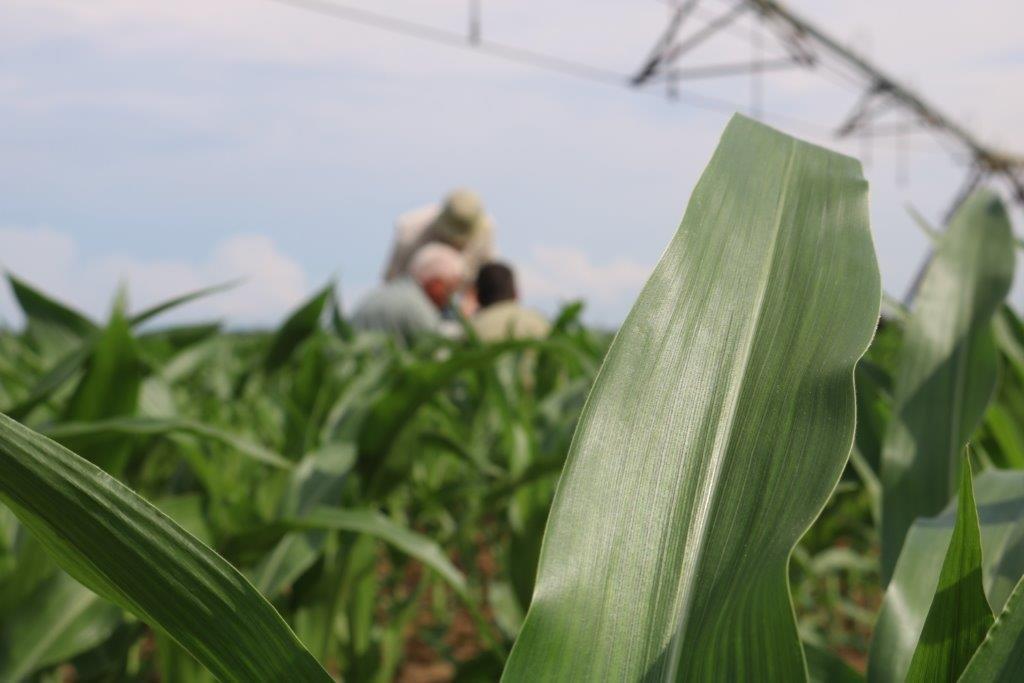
[{"x": 724, "y": 436}]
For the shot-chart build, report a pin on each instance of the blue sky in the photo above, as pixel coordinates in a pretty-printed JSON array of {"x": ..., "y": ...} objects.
[{"x": 172, "y": 145}]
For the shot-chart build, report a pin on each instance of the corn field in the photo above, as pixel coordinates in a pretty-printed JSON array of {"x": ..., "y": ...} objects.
[{"x": 756, "y": 478}]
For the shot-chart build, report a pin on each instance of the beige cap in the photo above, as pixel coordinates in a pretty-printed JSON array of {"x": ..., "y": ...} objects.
[{"x": 461, "y": 217}]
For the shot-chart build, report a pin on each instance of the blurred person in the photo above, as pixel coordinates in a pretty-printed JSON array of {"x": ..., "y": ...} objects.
[
  {"x": 501, "y": 316},
  {"x": 410, "y": 305},
  {"x": 459, "y": 222}
]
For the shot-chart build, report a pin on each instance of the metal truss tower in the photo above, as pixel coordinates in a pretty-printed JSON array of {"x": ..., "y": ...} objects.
[{"x": 805, "y": 45}]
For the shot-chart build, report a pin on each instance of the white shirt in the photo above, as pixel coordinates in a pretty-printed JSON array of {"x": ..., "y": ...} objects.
[{"x": 412, "y": 230}]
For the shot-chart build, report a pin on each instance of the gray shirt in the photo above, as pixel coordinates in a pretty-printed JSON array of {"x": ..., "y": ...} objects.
[{"x": 397, "y": 307}]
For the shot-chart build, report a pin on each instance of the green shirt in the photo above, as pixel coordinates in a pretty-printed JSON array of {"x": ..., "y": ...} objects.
[{"x": 398, "y": 307}]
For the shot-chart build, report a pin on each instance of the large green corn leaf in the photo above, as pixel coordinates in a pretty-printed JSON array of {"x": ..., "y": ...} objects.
[
  {"x": 123, "y": 548},
  {"x": 187, "y": 512},
  {"x": 716, "y": 429},
  {"x": 1000, "y": 505},
  {"x": 959, "y": 615},
  {"x": 948, "y": 368},
  {"x": 1000, "y": 658}
]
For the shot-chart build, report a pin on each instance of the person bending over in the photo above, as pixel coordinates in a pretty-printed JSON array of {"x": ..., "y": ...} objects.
[{"x": 461, "y": 222}]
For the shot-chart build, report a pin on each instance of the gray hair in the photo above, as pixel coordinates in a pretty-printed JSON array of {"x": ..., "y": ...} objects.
[{"x": 437, "y": 261}]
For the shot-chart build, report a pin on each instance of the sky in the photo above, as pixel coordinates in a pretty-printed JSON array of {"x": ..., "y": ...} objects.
[{"x": 170, "y": 146}]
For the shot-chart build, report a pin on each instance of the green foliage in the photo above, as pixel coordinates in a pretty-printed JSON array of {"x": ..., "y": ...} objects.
[
  {"x": 61, "y": 619},
  {"x": 959, "y": 616},
  {"x": 326, "y": 503},
  {"x": 1000, "y": 510},
  {"x": 50, "y": 325},
  {"x": 948, "y": 368},
  {"x": 259, "y": 460},
  {"x": 666, "y": 549},
  {"x": 1001, "y": 655},
  {"x": 120, "y": 546}
]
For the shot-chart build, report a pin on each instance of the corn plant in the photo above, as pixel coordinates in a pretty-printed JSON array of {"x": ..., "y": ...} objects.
[{"x": 727, "y": 495}]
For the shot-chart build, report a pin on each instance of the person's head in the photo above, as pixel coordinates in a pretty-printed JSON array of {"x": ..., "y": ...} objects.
[
  {"x": 494, "y": 283},
  {"x": 461, "y": 217},
  {"x": 439, "y": 269}
]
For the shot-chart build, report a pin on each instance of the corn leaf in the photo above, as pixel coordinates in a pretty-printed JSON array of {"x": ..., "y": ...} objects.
[
  {"x": 316, "y": 481},
  {"x": 375, "y": 524},
  {"x": 289, "y": 558},
  {"x": 30, "y": 566},
  {"x": 295, "y": 329},
  {"x": 164, "y": 306},
  {"x": 339, "y": 323},
  {"x": 948, "y": 369},
  {"x": 50, "y": 323},
  {"x": 414, "y": 385},
  {"x": 1009, "y": 332},
  {"x": 113, "y": 372},
  {"x": 124, "y": 549},
  {"x": 90, "y": 434},
  {"x": 109, "y": 386},
  {"x": 1000, "y": 506},
  {"x": 54, "y": 378},
  {"x": 63, "y": 619},
  {"x": 825, "y": 667},
  {"x": 187, "y": 512},
  {"x": 959, "y": 616},
  {"x": 1000, "y": 658},
  {"x": 1003, "y": 434},
  {"x": 715, "y": 431}
]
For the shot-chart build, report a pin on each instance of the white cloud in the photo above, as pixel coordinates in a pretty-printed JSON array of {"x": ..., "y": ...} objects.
[
  {"x": 557, "y": 274},
  {"x": 38, "y": 255},
  {"x": 272, "y": 282},
  {"x": 252, "y": 108},
  {"x": 961, "y": 59}
]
